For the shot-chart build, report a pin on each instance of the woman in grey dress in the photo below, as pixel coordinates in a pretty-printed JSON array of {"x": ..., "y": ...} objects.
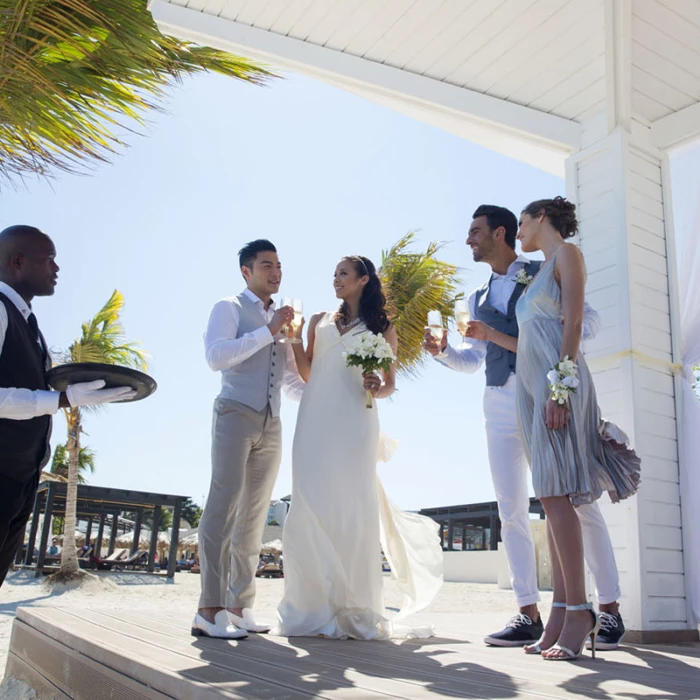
[{"x": 573, "y": 453}]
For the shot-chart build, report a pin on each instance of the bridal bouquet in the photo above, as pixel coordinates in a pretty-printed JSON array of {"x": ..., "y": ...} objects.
[{"x": 371, "y": 352}]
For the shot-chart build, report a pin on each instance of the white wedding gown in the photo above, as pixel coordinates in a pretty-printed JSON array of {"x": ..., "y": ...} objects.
[{"x": 339, "y": 513}]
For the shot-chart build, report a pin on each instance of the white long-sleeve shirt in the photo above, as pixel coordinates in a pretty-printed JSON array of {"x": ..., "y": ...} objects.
[
  {"x": 17, "y": 403},
  {"x": 224, "y": 350},
  {"x": 501, "y": 288}
]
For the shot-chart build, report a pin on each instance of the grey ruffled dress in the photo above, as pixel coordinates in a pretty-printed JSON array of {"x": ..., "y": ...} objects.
[{"x": 589, "y": 455}]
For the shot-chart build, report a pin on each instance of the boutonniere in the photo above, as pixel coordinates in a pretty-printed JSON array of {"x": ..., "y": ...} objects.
[{"x": 522, "y": 277}]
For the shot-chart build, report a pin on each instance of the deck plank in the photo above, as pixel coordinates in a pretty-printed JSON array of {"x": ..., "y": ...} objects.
[
  {"x": 284, "y": 659},
  {"x": 676, "y": 668},
  {"x": 175, "y": 675},
  {"x": 406, "y": 666},
  {"x": 264, "y": 663},
  {"x": 160, "y": 654}
]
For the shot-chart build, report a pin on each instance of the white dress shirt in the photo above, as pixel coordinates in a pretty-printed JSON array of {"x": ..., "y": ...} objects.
[
  {"x": 224, "y": 350},
  {"x": 501, "y": 288},
  {"x": 22, "y": 404}
]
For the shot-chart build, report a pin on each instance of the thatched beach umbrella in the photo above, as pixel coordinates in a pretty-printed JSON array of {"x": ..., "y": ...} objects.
[
  {"x": 190, "y": 543},
  {"x": 79, "y": 538},
  {"x": 127, "y": 539},
  {"x": 272, "y": 547},
  {"x": 48, "y": 476},
  {"x": 163, "y": 545}
]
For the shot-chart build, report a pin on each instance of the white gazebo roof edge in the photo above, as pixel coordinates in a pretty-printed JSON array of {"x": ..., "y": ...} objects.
[{"x": 523, "y": 133}]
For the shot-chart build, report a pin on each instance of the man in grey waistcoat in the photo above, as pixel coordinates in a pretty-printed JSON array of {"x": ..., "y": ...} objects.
[
  {"x": 492, "y": 240},
  {"x": 241, "y": 343}
]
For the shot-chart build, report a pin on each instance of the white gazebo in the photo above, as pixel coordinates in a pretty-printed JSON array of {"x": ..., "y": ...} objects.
[{"x": 598, "y": 91}]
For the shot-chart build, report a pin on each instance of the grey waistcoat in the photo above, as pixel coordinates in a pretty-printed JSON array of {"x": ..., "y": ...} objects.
[
  {"x": 500, "y": 363},
  {"x": 257, "y": 381}
]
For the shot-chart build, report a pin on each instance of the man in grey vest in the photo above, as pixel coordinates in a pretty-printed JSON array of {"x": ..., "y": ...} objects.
[
  {"x": 492, "y": 306},
  {"x": 246, "y": 450}
]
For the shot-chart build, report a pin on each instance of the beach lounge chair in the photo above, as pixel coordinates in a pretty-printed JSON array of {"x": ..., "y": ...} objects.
[
  {"x": 268, "y": 567},
  {"x": 107, "y": 563},
  {"x": 85, "y": 559},
  {"x": 117, "y": 555},
  {"x": 137, "y": 559}
]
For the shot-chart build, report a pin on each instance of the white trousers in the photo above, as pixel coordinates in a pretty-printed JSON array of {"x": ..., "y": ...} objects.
[{"x": 509, "y": 472}]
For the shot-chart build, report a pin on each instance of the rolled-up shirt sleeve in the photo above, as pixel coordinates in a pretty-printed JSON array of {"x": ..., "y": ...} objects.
[
  {"x": 292, "y": 383},
  {"x": 465, "y": 359},
  {"x": 591, "y": 322},
  {"x": 223, "y": 350}
]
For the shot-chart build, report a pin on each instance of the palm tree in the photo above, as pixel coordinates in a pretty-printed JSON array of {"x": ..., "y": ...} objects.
[
  {"x": 73, "y": 72},
  {"x": 86, "y": 462},
  {"x": 101, "y": 340},
  {"x": 165, "y": 521},
  {"x": 415, "y": 283},
  {"x": 59, "y": 466},
  {"x": 191, "y": 512}
]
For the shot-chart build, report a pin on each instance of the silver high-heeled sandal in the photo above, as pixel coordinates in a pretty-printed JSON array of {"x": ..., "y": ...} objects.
[
  {"x": 570, "y": 655},
  {"x": 536, "y": 648}
]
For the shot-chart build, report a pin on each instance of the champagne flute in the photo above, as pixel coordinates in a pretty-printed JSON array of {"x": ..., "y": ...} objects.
[
  {"x": 462, "y": 317},
  {"x": 435, "y": 325},
  {"x": 289, "y": 331}
]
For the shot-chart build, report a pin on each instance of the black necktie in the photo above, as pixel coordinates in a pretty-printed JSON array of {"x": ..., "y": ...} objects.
[{"x": 32, "y": 322}]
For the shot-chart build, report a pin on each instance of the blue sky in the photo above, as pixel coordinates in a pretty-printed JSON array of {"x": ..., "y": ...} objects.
[{"x": 320, "y": 172}]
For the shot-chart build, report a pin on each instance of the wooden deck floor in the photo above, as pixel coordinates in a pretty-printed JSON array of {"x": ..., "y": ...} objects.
[{"x": 97, "y": 654}]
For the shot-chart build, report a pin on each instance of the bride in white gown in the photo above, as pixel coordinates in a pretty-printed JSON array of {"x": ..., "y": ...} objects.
[{"x": 339, "y": 513}]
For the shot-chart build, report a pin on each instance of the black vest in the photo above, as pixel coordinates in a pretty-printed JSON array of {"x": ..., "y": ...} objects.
[
  {"x": 24, "y": 444},
  {"x": 500, "y": 363}
]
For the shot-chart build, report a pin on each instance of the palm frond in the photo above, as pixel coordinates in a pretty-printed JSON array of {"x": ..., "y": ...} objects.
[
  {"x": 415, "y": 283},
  {"x": 61, "y": 462},
  {"x": 103, "y": 339},
  {"x": 74, "y": 71}
]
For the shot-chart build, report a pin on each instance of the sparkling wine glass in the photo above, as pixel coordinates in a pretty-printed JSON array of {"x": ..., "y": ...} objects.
[
  {"x": 435, "y": 325},
  {"x": 462, "y": 317},
  {"x": 289, "y": 331}
]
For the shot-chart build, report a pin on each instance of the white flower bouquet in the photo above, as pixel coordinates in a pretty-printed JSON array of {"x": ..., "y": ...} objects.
[
  {"x": 563, "y": 380},
  {"x": 371, "y": 352}
]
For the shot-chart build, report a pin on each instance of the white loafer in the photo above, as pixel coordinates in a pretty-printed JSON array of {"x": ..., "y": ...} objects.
[
  {"x": 247, "y": 622},
  {"x": 221, "y": 629}
]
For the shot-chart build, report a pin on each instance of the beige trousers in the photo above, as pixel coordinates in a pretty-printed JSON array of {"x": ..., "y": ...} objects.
[{"x": 245, "y": 455}]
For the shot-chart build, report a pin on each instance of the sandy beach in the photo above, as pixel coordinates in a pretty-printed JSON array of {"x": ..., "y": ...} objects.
[{"x": 486, "y": 604}]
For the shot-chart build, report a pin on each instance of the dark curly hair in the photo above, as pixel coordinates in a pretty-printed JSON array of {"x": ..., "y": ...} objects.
[
  {"x": 560, "y": 212},
  {"x": 372, "y": 301}
]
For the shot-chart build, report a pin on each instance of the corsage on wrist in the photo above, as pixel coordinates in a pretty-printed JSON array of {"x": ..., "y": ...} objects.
[{"x": 563, "y": 380}]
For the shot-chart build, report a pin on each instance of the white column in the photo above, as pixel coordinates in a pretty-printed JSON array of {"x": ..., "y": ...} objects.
[{"x": 621, "y": 188}]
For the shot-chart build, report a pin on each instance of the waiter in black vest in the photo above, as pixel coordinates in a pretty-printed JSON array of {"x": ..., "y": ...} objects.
[{"x": 28, "y": 269}]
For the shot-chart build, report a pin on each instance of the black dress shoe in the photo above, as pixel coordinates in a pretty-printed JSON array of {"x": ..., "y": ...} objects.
[
  {"x": 612, "y": 630},
  {"x": 519, "y": 631}
]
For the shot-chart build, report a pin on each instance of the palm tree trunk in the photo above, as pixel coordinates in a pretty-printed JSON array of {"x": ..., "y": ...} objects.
[{"x": 69, "y": 558}]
